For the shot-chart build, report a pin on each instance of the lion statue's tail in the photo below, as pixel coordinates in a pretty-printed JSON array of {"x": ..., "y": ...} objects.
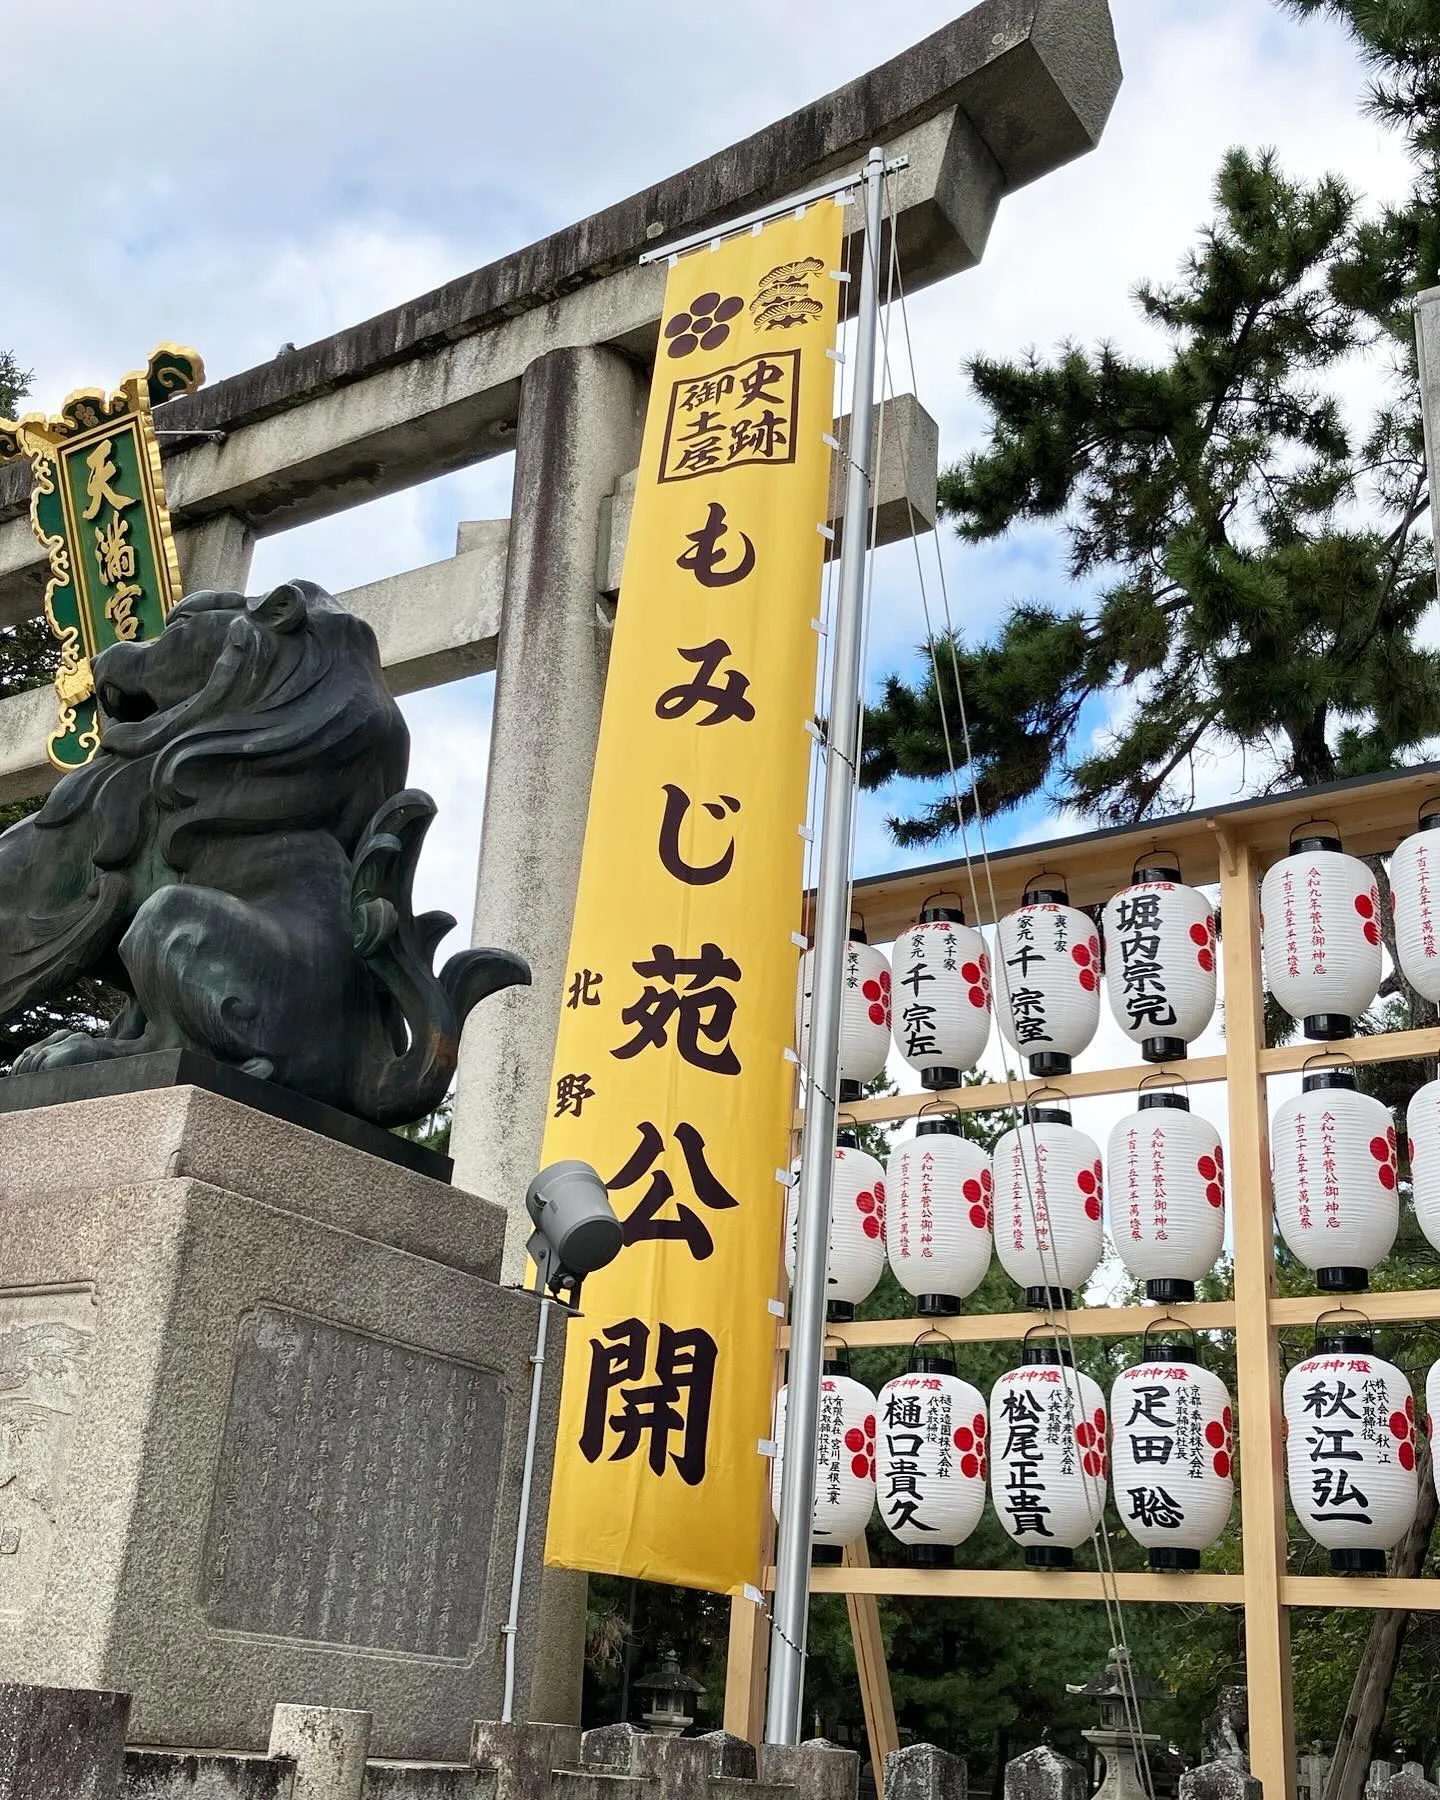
[{"x": 425, "y": 1011}]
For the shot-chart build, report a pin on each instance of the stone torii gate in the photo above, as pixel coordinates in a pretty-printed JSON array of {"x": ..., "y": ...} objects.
[{"x": 547, "y": 353}]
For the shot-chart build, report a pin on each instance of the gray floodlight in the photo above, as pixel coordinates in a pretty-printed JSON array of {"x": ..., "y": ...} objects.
[{"x": 576, "y": 1231}]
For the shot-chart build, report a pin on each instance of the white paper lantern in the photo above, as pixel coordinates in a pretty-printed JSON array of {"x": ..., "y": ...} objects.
[
  {"x": 857, "y": 1228},
  {"x": 1047, "y": 980},
  {"x": 1432, "y": 1412},
  {"x": 1049, "y": 1194},
  {"x": 864, "y": 1014},
  {"x": 1350, "y": 1451},
  {"x": 1172, "y": 1455},
  {"x": 942, "y": 996},
  {"x": 939, "y": 1191},
  {"x": 931, "y": 1457},
  {"x": 844, "y": 1461},
  {"x": 1321, "y": 915},
  {"x": 1334, "y": 1180},
  {"x": 1422, "y": 1126},
  {"x": 1048, "y": 1456},
  {"x": 1160, "y": 961},
  {"x": 1165, "y": 1187},
  {"x": 1415, "y": 906}
]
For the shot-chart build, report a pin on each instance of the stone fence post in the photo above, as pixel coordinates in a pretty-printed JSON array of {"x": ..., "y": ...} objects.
[
  {"x": 61, "y": 1743},
  {"x": 1045, "y": 1774},
  {"x": 925, "y": 1772},
  {"x": 1219, "y": 1781}
]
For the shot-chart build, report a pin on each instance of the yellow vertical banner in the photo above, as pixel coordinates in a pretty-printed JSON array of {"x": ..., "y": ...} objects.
[{"x": 670, "y": 1074}]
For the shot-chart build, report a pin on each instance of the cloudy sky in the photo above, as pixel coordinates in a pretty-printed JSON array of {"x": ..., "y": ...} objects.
[{"x": 261, "y": 172}]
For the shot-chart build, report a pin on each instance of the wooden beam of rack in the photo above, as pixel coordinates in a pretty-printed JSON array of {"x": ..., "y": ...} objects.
[
  {"x": 1377, "y": 1593},
  {"x": 1200, "y": 1588},
  {"x": 1388, "y": 1046},
  {"x": 1009, "y": 1328}
]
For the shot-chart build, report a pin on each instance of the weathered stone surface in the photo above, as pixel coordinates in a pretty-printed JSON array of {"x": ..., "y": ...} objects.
[
  {"x": 816, "y": 1769},
  {"x": 521, "y": 1757},
  {"x": 924, "y": 1772},
  {"x": 137, "y": 1138},
  {"x": 610, "y": 1746},
  {"x": 1225, "y": 1734},
  {"x": 328, "y": 1746},
  {"x": 178, "y": 1775},
  {"x": 423, "y": 1781},
  {"x": 61, "y": 1743},
  {"x": 215, "y": 553},
  {"x": 1219, "y": 1781},
  {"x": 1045, "y": 1774},
  {"x": 1407, "y": 1785},
  {"x": 730, "y": 1755},
  {"x": 189, "y": 1276}
]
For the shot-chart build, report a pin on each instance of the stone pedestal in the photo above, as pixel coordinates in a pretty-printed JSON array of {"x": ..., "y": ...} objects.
[{"x": 262, "y": 1421}]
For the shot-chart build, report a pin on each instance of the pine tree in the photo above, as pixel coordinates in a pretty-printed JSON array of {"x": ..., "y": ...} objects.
[
  {"x": 27, "y": 659},
  {"x": 1252, "y": 566}
]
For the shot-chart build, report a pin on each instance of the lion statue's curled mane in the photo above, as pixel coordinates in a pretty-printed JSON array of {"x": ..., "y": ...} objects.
[{"x": 238, "y": 858}]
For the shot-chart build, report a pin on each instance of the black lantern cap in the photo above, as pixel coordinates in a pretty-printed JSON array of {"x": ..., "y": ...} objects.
[
  {"x": 1358, "y": 1560},
  {"x": 936, "y": 1306},
  {"x": 839, "y": 1312},
  {"x": 1045, "y": 1115},
  {"x": 1429, "y": 821},
  {"x": 847, "y": 1138},
  {"x": 1169, "y": 1290},
  {"x": 850, "y": 1091},
  {"x": 1170, "y": 1350},
  {"x": 826, "y": 1556},
  {"x": 1034, "y": 1356},
  {"x": 1342, "y": 1280},
  {"x": 1313, "y": 1080},
  {"x": 1180, "y": 1102},
  {"x": 931, "y": 1359},
  {"x": 1046, "y": 1063},
  {"x": 1044, "y": 896},
  {"x": 1163, "y": 1049},
  {"x": 1339, "y": 1342},
  {"x": 1166, "y": 1557},
  {"x": 1049, "y": 1556},
  {"x": 930, "y": 1556},
  {"x": 948, "y": 1126},
  {"x": 935, "y": 1081},
  {"x": 1319, "y": 840},
  {"x": 1156, "y": 871},
  {"x": 1324, "y": 1028},
  {"x": 836, "y": 1360},
  {"x": 1049, "y": 1299},
  {"x": 857, "y": 934},
  {"x": 942, "y": 915}
]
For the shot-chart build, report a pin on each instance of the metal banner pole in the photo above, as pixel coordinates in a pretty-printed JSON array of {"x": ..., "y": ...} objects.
[{"x": 790, "y": 1614}]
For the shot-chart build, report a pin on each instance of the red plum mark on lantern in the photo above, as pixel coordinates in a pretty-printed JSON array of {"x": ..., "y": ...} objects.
[
  {"x": 970, "y": 1442},
  {"x": 1089, "y": 1182},
  {"x": 1203, "y": 937},
  {"x": 1402, "y": 1429},
  {"x": 1383, "y": 1150},
  {"x": 1090, "y": 1436},
  {"x": 1088, "y": 957},
  {"x": 871, "y": 1202},
  {"x": 1219, "y": 1436},
  {"x": 977, "y": 975},
  {"x": 979, "y": 1191},
  {"x": 877, "y": 992},
  {"x": 1367, "y": 907},
  {"x": 1212, "y": 1173},
  {"x": 861, "y": 1442}
]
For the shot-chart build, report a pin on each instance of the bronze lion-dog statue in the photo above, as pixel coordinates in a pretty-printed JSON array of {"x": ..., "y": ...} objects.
[{"x": 238, "y": 859}]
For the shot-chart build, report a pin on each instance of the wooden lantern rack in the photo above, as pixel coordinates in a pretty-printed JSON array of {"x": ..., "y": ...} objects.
[{"x": 1231, "y": 845}]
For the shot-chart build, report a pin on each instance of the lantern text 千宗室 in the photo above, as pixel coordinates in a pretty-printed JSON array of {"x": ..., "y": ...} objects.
[
  {"x": 931, "y": 1456},
  {"x": 1048, "y": 1455},
  {"x": 1160, "y": 960},
  {"x": 941, "y": 997},
  {"x": 864, "y": 1013},
  {"x": 1321, "y": 912},
  {"x": 857, "y": 1227},
  {"x": 1334, "y": 1179},
  {"x": 1172, "y": 1455},
  {"x": 1165, "y": 1187},
  {"x": 1047, "y": 980},
  {"x": 1049, "y": 1195},
  {"x": 1350, "y": 1451},
  {"x": 844, "y": 1460},
  {"x": 939, "y": 1194}
]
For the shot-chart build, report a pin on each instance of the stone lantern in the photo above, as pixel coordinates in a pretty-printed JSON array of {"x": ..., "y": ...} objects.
[
  {"x": 1116, "y": 1739},
  {"x": 668, "y": 1690}
]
